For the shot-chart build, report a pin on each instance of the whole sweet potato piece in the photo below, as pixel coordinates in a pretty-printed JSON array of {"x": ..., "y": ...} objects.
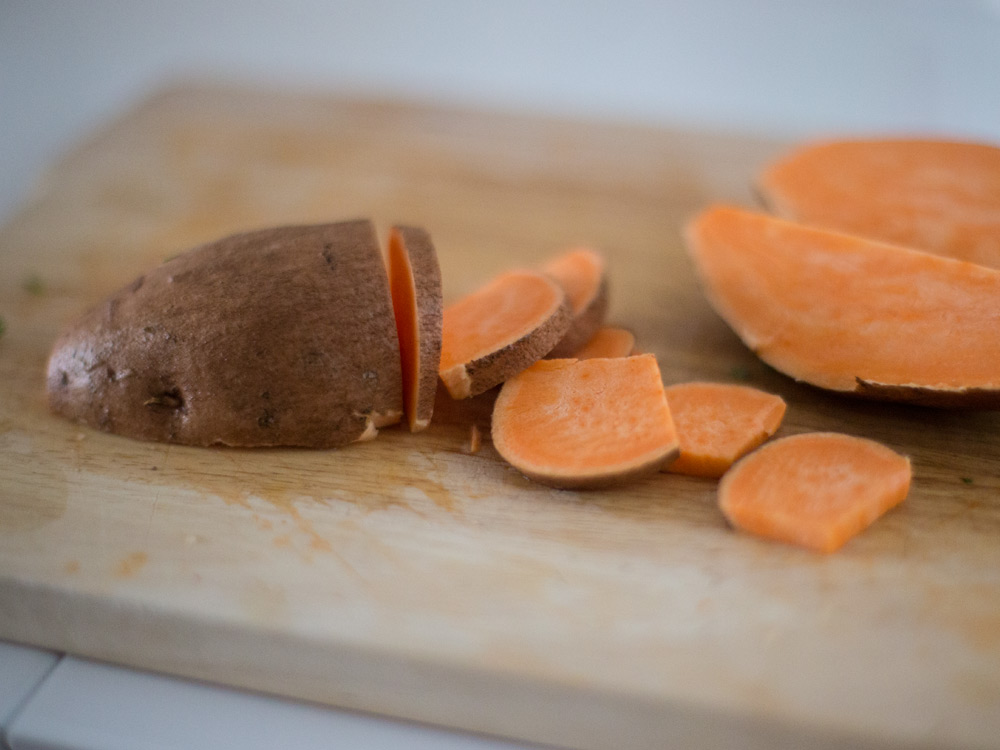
[{"x": 282, "y": 336}]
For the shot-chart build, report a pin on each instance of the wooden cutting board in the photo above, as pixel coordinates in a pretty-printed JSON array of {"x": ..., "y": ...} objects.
[{"x": 408, "y": 577}]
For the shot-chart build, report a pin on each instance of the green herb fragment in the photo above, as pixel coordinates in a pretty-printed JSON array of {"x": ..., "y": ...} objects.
[
  {"x": 3, "y": 326},
  {"x": 739, "y": 372},
  {"x": 33, "y": 285},
  {"x": 966, "y": 480}
]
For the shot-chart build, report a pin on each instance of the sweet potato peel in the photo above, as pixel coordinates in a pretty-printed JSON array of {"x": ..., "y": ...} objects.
[
  {"x": 585, "y": 423},
  {"x": 849, "y": 314}
]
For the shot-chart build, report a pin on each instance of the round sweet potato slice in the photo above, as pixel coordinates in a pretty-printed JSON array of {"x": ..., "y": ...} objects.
[
  {"x": 582, "y": 273},
  {"x": 853, "y": 315},
  {"x": 585, "y": 423},
  {"x": 500, "y": 329},
  {"x": 415, "y": 281},
  {"x": 282, "y": 336}
]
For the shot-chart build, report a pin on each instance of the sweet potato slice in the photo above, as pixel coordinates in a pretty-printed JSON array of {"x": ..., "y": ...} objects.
[
  {"x": 816, "y": 490},
  {"x": 717, "y": 423},
  {"x": 850, "y": 314},
  {"x": 607, "y": 342},
  {"x": 939, "y": 196},
  {"x": 582, "y": 273},
  {"x": 415, "y": 281},
  {"x": 282, "y": 336},
  {"x": 585, "y": 423},
  {"x": 499, "y": 330}
]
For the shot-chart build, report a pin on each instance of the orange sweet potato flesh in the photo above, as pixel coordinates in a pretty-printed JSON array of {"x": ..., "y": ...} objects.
[
  {"x": 415, "y": 282},
  {"x": 500, "y": 329},
  {"x": 585, "y": 423},
  {"x": 582, "y": 273},
  {"x": 816, "y": 490},
  {"x": 717, "y": 423},
  {"x": 849, "y": 314},
  {"x": 939, "y": 196},
  {"x": 607, "y": 342}
]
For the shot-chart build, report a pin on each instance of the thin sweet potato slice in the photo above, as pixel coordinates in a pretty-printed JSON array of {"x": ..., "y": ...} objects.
[
  {"x": 585, "y": 423},
  {"x": 415, "y": 281},
  {"x": 939, "y": 196},
  {"x": 582, "y": 273},
  {"x": 499, "y": 330},
  {"x": 717, "y": 423},
  {"x": 849, "y": 314},
  {"x": 607, "y": 342},
  {"x": 816, "y": 490}
]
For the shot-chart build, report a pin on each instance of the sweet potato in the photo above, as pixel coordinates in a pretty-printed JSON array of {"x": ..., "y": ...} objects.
[
  {"x": 816, "y": 490},
  {"x": 582, "y": 273},
  {"x": 607, "y": 342},
  {"x": 585, "y": 423},
  {"x": 283, "y": 336},
  {"x": 500, "y": 329},
  {"x": 939, "y": 196},
  {"x": 852, "y": 315},
  {"x": 415, "y": 282},
  {"x": 717, "y": 423}
]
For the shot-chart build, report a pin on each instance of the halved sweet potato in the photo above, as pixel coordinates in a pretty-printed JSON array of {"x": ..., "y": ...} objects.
[
  {"x": 850, "y": 314},
  {"x": 500, "y": 329},
  {"x": 939, "y": 196},
  {"x": 415, "y": 281},
  {"x": 582, "y": 273},
  {"x": 585, "y": 423},
  {"x": 282, "y": 336}
]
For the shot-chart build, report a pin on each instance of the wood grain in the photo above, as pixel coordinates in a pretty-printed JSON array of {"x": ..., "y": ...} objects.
[{"x": 407, "y": 577}]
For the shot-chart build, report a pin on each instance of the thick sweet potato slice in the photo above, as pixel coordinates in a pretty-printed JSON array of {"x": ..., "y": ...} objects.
[
  {"x": 499, "y": 330},
  {"x": 415, "y": 281},
  {"x": 717, "y": 423},
  {"x": 585, "y": 423},
  {"x": 850, "y": 314},
  {"x": 816, "y": 490},
  {"x": 282, "y": 336},
  {"x": 582, "y": 274},
  {"x": 939, "y": 196},
  {"x": 607, "y": 342}
]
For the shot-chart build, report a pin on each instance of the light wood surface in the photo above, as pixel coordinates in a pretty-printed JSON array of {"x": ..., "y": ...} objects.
[{"x": 408, "y": 577}]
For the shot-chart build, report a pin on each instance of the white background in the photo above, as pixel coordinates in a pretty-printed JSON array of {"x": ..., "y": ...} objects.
[{"x": 776, "y": 66}]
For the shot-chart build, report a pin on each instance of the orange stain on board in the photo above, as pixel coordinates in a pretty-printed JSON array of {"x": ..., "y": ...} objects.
[{"x": 131, "y": 564}]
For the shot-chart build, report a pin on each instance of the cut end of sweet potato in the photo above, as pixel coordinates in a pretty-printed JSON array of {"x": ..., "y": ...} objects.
[
  {"x": 815, "y": 490},
  {"x": 608, "y": 342},
  {"x": 849, "y": 314},
  {"x": 582, "y": 273},
  {"x": 717, "y": 423},
  {"x": 415, "y": 282},
  {"x": 939, "y": 196},
  {"x": 500, "y": 329},
  {"x": 585, "y": 423}
]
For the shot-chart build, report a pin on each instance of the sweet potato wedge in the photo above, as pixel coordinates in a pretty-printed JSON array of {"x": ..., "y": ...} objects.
[
  {"x": 939, "y": 196},
  {"x": 849, "y": 314},
  {"x": 816, "y": 490},
  {"x": 717, "y": 423},
  {"x": 500, "y": 329},
  {"x": 585, "y": 423},
  {"x": 607, "y": 342},
  {"x": 282, "y": 336}
]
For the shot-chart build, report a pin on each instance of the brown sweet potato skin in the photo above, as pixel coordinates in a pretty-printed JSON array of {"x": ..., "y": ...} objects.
[{"x": 282, "y": 336}]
